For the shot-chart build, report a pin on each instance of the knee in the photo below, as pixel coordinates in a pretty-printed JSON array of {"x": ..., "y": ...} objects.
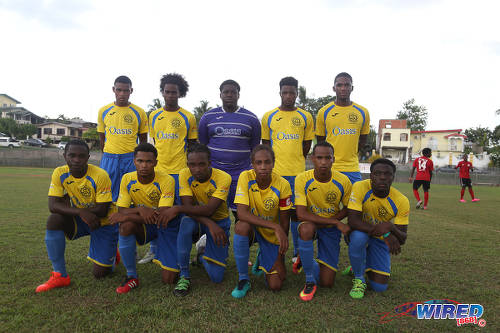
[
  {"x": 127, "y": 228},
  {"x": 55, "y": 222},
  {"x": 358, "y": 239},
  {"x": 242, "y": 228},
  {"x": 306, "y": 231},
  {"x": 100, "y": 272},
  {"x": 274, "y": 283},
  {"x": 378, "y": 287},
  {"x": 187, "y": 225},
  {"x": 216, "y": 273},
  {"x": 168, "y": 277}
]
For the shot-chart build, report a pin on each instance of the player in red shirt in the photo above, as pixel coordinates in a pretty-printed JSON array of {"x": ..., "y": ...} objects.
[
  {"x": 465, "y": 166},
  {"x": 424, "y": 167}
]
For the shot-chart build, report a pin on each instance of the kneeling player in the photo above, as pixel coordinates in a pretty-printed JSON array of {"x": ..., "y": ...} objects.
[
  {"x": 263, "y": 200},
  {"x": 82, "y": 211},
  {"x": 144, "y": 195},
  {"x": 203, "y": 191},
  {"x": 318, "y": 195},
  {"x": 374, "y": 203}
]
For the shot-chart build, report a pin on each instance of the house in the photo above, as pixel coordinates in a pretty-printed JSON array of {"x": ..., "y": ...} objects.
[
  {"x": 393, "y": 140},
  {"x": 447, "y": 145},
  {"x": 56, "y": 130},
  {"x": 9, "y": 109}
]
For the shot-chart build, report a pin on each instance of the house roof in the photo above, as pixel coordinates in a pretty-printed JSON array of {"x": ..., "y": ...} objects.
[
  {"x": 15, "y": 100},
  {"x": 456, "y": 134},
  {"x": 73, "y": 125},
  {"x": 439, "y": 131}
]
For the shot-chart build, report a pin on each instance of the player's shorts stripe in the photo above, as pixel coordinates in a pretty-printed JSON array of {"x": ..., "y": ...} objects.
[
  {"x": 251, "y": 182},
  {"x": 63, "y": 177},
  {"x": 214, "y": 261},
  {"x": 393, "y": 205},
  {"x": 367, "y": 195},
  {"x": 376, "y": 271},
  {"x": 276, "y": 191},
  {"x": 98, "y": 263},
  {"x": 138, "y": 118},
  {"x": 272, "y": 272},
  {"x": 324, "y": 263},
  {"x": 309, "y": 182},
  {"x": 362, "y": 114},
  {"x": 154, "y": 118},
  {"x": 303, "y": 117},
  {"x": 157, "y": 186},
  {"x": 92, "y": 182},
  {"x": 341, "y": 188},
  {"x": 156, "y": 261},
  {"x": 106, "y": 112},
  {"x": 129, "y": 185}
]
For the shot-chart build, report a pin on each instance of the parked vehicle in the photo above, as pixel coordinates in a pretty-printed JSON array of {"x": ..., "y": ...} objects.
[
  {"x": 35, "y": 143},
  {"x": 62, "y": 145},
  {"x": 446, "y": 169},
  {"x": 8, "y": 142}
]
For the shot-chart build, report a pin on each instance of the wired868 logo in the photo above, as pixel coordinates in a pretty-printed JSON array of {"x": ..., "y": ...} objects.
[{"x": 438, "y": 309}]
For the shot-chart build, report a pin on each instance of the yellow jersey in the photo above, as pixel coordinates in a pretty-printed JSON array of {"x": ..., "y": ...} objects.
[
  {"x": 159, "y": 193},
  {"x": 264, "y": 203},
  {"x": 216, "y": 186},
  {"x": 121, "y": 125}
]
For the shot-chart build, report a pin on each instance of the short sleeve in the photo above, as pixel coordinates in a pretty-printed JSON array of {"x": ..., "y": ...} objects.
[
  {"x": 300, "y": 190},
  {"x": 193, "y": 128},
  {"x": 124, "y": 199},
  {"x": 150, "y": 122},
  {"x": 285, "y": 202},
  {"x": 431, "y": 165},
  {"x": 356, "y": 198},
  {"x": 167, "y": 187},
  {"x": 241, "y": 196},
  {"x": 347, "y": 193},
  {"x": 402, "y": 217},
  {"x": 366, "y": 126},
  {"x": 203, "y": 130},
  {"x": 100, "y": 122},
  {"x": 256, "y": 132},
  {"x": 223, "y": 183},
  {"x": 184, "y": 187},
  {"x": 103, "y": 188},
  {"x": 143, "y": 127},
  {"x": 320, "y": 123},
  {"x": 265, "y": 128},
  {"x": 56, "y": 189},
  {"x": 309, "y": 130}
]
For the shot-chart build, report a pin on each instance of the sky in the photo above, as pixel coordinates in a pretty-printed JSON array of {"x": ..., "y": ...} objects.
[{"x": 62, "y": 56}]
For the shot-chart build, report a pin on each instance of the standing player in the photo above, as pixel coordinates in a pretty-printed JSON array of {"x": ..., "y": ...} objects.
[
  {"x": 318, "y": 196},
  {"x": 203, "y": 192},
  {"x": 424, "y": 166},
  {"x": 79, "y": 202},
  {"x": 465, "y": 167},
  {"x": 119, "y": 124},
  {"x": 289, "y": 130},
  {"x": 345, "y": 125},
  {"x": 230, "y": 132},
  {"x": 144, "y": 194},
  {"x": 263, "y": 199},
  {"x": 374, "y": 203},
  {"x": 172, "y": 129}
]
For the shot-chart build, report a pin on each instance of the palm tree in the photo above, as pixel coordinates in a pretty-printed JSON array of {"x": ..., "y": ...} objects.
[
  {"x": 154, "y": 106},
  {"x": 200, "y": 110}
]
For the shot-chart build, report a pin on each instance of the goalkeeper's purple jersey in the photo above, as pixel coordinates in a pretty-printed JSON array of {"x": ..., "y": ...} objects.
[{"x": 230, "y": 136}]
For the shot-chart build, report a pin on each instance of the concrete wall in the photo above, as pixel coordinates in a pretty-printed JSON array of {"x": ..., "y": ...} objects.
[{"x": 39, "y": 158}]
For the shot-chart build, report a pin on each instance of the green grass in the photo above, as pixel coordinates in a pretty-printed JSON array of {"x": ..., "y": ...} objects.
[{"x": 452, "y": 252}]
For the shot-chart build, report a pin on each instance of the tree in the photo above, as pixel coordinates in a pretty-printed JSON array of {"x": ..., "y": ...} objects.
[
  {"x": 10, "y": 127},
  {"x": 154, "y": 106},
  {"x": 312, "y": 105},
  {"x": 495, "y": 135},
  {"x": 91, "y": 134},
  {"x": 415, "y": 115},
  {"x": 479, "y": 135},
  {"x": 200, "y": 110}
]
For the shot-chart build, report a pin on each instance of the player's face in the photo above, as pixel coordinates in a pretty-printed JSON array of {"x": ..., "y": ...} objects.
[
  {"x": 381, "y": 178},
  {"x": 170, "y": 94},
  {"x": 199, "y": 165},
  {"x": 465, "y": 158},
  {"x": 229, "y": 95},
  {"x": 343, "y": 88},
  {"x": 323, "y": 159},
  {"x": 288, "y": 96},
  {"x": 77, "y": 158},
  {"x": 122, "y": 93},
  {"x": 145, "y": 163},
  {"x": 263, "y": 164}
]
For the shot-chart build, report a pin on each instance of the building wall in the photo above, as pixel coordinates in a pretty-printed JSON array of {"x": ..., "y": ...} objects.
[
  {"x": 395, "y": 137},
  {"x": 5, "y": 100},
  {"x": 54, "y": 135},
  {"x": 437, "y": 142}
]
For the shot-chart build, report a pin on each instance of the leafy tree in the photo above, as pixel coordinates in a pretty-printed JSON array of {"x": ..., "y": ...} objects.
[
  {"x": 495, "y": 135},
  {"x": 310, "y": 104},
  {"x": 479, "y": 135},
  {"x": 200, "y": 110},
  {"x": 415, "y": 115},
  {"x": 495, "y": 156},
  {"x": 91, "y": 134},
  {"x": 10, "y": 127},
  {"x": 157, "y": 104}
]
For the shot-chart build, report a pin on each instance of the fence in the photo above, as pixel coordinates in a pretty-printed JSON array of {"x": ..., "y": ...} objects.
[{"x": 39, "y": 158}]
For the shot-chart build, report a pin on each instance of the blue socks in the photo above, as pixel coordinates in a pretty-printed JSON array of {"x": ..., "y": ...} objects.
[
  {"x": 127, "y": 251},
  {"x": 56, "y": 245},
  {"x": 357, "y": 253},
  {"x": 295, "y": 236},
  {"x": 378, "y": 287},
  {"x": 241, "y": 254},
  {"x": 311, "y": 267},
  {"x": 184, "y": 245}
]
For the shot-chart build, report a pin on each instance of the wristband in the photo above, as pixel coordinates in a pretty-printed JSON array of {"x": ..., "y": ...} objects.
[{"x": 386, "y": 235}]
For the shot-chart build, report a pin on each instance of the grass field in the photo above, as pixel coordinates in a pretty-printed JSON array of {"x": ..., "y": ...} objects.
[{"x": 452, "y": 252}]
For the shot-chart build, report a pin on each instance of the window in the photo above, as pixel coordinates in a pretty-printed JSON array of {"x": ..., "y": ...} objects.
[
  {"x": 388, "y": 125},
  {"x": 403, "y": 137},
  {"x": 453, "y": 144},
  {"x": 61, "y": 131},
  {"x": 433, "y": 143},
  {"x": 47, "y": 131},
  {"x": 387, "y": 136},
  {"x": 71, "y": 132}
]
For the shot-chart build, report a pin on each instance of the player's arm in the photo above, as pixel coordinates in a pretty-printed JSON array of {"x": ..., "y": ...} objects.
[
  {"x": 142, "y": 215},
  {"x": 304, "y": 215},
  {"x": 102, "y": 139},
  {"x": 306, "y": 146},
  {"x": 355, "y": 221},
  {"x": 362, "y": 141},
  {"x": 411, "y": 174},
  {"x": 60, "y": 205},
  {"x": 143, "y": 137}
]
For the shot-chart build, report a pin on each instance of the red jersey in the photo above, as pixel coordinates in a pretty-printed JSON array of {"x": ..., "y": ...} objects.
[
  {"x": 464, "y": 166},
  {"x": 424, "y": 168}
]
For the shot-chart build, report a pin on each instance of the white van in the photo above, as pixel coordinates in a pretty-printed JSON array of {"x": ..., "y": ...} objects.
[{"x": 8, "y": 142}]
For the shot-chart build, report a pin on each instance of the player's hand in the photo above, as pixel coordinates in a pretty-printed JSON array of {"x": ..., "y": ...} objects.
[
  {"x": 117, "y": 218},
  {"x": 218, "y": 235},
  {"x": 393, "y": 244},
  {"x": 282, "y": 239},
  {"x": 410, "y": 179},
  {"x": 381, "y": 229},
  {"x": 149, "y": 215},
  {"x": 165, "y": 216},
  {"x": 345, "y": 229},
  {"x": 90, "y": 218}
]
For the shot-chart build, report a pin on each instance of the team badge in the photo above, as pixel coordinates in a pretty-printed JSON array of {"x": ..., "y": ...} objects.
[
  {"x": 331, "y": 197},
  {"x": 85, "y": 191},
  {"x": 269, "y": 203},
  {"x": 296, "y": 121},
  {"x": 210, "y": 192},
  {"x": 176, "y": 123},
  {"x": 128, "y": 119},
  {"x": 382, "y": 212},
  {"x": 353, "y": 117},
  {"x": 154, "y": 195}
]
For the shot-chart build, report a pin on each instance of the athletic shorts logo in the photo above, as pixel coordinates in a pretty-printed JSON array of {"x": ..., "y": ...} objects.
[
  {"x": 382, "y": 212},
  {"x": 176, "y": 123},
  {"x": 154, "y": 196},
  {"x": 85, "y": 191},
  {"x": 296, "y": 121},
  {"x": 269, "y": 203},
  {"x": 128, "y": 119},
  {"x": 353, "y": 117},
  {"x": 331, "y": 197}
]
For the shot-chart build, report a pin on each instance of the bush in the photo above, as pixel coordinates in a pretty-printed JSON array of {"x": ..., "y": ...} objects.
[{"x": 374, "y": 157}]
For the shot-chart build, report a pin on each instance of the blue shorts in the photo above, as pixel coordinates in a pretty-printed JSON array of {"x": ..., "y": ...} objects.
[
  {"x": 103, "y": 241},
  {"x": 268, "y": 253},
  {"x": 116, "y": 165},
  {"x": 353, "y": 176},
  {"x": 328, "y": 247},
  {"x": 291, "y": 181},
  {"x": 166, "y": 254},
  {"x": 177, "y": 200},
  {"x": 378, "y": 257},
  {"x": 150, "y": 233},
  {"x": 232, "y": 192}
]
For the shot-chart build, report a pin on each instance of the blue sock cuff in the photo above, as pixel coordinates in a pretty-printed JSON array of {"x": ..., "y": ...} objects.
[
  {"x": 378, "y": 287},
  {"x": 240, "y": 240},
  {"x": 54, "y": 234},
  {"x": 126, "y": 241}
]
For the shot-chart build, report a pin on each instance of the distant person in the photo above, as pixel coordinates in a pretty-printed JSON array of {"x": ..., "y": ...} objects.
[
  {"x": 320, "y": 194},
  {"x": 120, "y": 125},
  {"x": 378, "y": 215},
  {"x": 263, "y": 199},
  {"x": 465, "y": 167},
  {"x": 144, "y": 195},
  {"x": 79, "y": 203},
  {"x": 424, "y": 167},
  {"x": 289, "y": 130},
  {"x": 173, "y": 129},
  {"x": 345, "y": 125}
]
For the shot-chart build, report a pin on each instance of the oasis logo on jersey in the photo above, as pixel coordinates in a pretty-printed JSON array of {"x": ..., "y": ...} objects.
[
  {"x": 318, "y": 210},
  {"x": 286, "y": 136},
  {"x": 165, "y": 136},
  {"x": 227, "y": 131},
  {"x": 343, "y": 131},
  {"x": 331, "y": 197},
  {"x": 114, "y": 130},
  {"x": 85, "y": 191}
]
